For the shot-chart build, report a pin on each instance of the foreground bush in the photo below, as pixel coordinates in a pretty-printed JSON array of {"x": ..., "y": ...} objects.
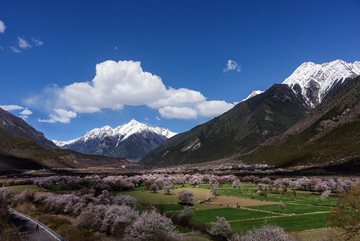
[
  {"x": 221, "y": 229},
  {"x": 267, "y": 232},
  {"x": 152, "y": 226},
  {"x": 346, "y": 215},
  {"x": 186, "y": 198}
]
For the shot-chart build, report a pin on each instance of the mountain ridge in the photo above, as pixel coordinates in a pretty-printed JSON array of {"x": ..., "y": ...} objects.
[
  {"x": 329, "y": 134},
  {"x": 315, "y": 81},
  {"x": 240, "y": 129},
  {"x": 308, "y": 86},
  {"x": 131, "y": 140},
  {"x": 17, "y": 127}
]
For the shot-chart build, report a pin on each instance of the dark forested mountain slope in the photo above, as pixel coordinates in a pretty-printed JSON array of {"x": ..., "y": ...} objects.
[
  {"x": 239, "y": 130},
  {"x": 329, "y": 134},
  {"x": 17, "y": 127}
]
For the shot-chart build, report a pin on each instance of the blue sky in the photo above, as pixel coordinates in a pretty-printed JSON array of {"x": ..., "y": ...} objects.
[{"x": 162, "y": 62}]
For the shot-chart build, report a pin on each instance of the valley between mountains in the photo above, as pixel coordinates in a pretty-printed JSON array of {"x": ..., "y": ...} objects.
[{"x": 311, "y": 119}]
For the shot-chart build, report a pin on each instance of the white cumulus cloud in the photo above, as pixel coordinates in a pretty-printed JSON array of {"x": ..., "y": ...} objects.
[
  {"x": 11, "y": 107},
  {"x": 213, "y": 108},
  {"x": 121, "y": 83},
  {"x": 62, "y": 116},
  {"x": 23, "y": 43},
  {"x": 2, "y": 27},
  {"x": 173, "y": 112},
  {"x": 26, "y": 112},
  {"x": 232, "y": 66}
]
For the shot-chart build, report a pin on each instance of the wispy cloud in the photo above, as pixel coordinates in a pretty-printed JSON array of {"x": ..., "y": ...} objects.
[
  {"x": 2, "y": 27},
  {"x": 11, "y": 107},
  {"x": 62, "y": 116},
  {"x": 15, "y": 50},
  {"x": 37, "y": 42},
  {"x": 23, "y": 43},
  {"x": 232, "y": 66}
]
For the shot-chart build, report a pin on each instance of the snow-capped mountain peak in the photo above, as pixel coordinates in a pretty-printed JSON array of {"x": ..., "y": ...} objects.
[
  {"x": 254, "y": 93},
  {"x": 121, "y": 132},
  {"x": 315, "y": 81}
]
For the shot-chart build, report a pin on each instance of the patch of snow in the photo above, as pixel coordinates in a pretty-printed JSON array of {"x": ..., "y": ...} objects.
[{"x": 254, "y": 93}]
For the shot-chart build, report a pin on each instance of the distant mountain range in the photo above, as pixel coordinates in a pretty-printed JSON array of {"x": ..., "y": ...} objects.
[
  {"x": 23, "y": 148},
  {"x": 131, "y": 141},
  {"x": 261, "y": 128}
]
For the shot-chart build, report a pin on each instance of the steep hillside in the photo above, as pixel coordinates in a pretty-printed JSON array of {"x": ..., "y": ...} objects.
[
  {"x": 239, "y": 130},
  {"x": 17, "y": 127},
  {"x": 131, "y": 141},
  {"x": 329, "y": 134}
]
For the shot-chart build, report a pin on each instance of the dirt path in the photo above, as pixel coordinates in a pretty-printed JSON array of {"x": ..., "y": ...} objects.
[{"x": 30, "y": 231}]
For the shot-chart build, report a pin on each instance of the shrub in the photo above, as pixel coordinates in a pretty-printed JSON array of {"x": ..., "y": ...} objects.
[
  {"x": 186, "y": 198},
  {"x": 267, "y": 232},
  {"x": 221, "y": 229},
  {"x": 152, "y": 226},
  {"x": 346, "y": 215}
]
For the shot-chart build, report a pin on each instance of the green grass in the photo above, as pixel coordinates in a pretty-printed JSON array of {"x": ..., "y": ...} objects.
[
  {"x": 140, "y": 208},
  {"x": 196, "y": 237},
  {"x": 331, "y": 202},
  {"x": 291, "y": 208},
  {"x": 20, "y": 188},
  {"x": 229, "y": 214},
  {"x": 169, "y": 207},
  {"x": 141, "y": 188},
  {"x": 290, "y": 224},
  {"x": 256, "y": 196}
]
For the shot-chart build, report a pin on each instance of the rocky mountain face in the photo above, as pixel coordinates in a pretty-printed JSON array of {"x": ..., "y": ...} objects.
[
  {"x": 131, "y": 141},
  {"x": 17, "y": 127},
  {"x": 328, "y": 135},
  {"x": 259, "y": 118},
  {"x": 314, "y": 82}
]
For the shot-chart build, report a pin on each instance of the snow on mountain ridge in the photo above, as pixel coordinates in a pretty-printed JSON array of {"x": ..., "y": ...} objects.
[
  {"x": 122, "y": 132},
  {"x": 314, "y": 81},
  {"x": 254, "y": 93}
]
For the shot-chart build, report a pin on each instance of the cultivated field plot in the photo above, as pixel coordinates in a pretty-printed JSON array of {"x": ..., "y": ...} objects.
[
  {"x": 160, "y": 197},
  {"x": 234, "y": 201},
  {"x": 248, "y": 209}
]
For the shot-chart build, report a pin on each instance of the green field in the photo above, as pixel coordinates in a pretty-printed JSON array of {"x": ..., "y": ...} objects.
[
  {"x": 230, "y": 214},
  {"x": 161, "y": 198},
  {"x": 292, "y": 208},
  {"x": 303, "y": 211},
  {"x": 290, "y": 224},
  {"x": 20, "y": 188}
]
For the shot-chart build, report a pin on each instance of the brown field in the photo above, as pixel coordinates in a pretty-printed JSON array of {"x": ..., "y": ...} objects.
[{"x": 232, "y": 201}]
